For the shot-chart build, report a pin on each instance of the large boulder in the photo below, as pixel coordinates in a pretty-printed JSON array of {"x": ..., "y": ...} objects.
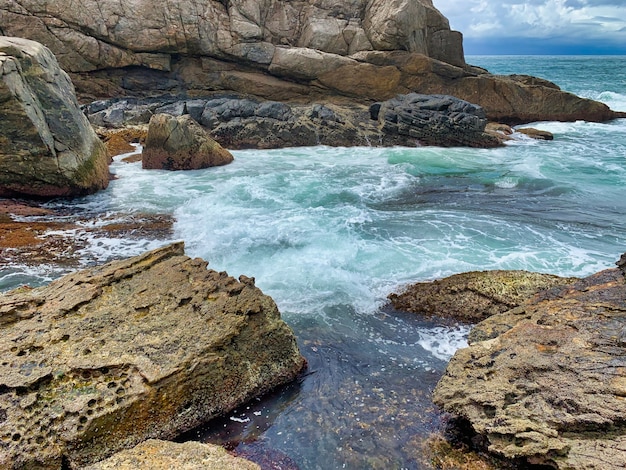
[
  {"x": 47, "y": 146},
  {"x": 298, "y": 50},
  {"x": 180, "y": 143},
  {"x": 148, "y": 347},
  {"x": 546, "y": 381}
]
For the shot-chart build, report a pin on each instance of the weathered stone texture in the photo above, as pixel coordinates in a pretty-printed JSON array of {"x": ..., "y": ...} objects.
[
  {"x": 180, "y": 143},
  {"x": 546, "y": 381},
  {"x": 47, "y": 146},
  {"x": 148, "y": 347}
]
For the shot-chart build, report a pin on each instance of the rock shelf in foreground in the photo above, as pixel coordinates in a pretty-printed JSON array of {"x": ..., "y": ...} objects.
[
  {"x": 148, "y": 347},
  {"x": 546, "y": 381}
]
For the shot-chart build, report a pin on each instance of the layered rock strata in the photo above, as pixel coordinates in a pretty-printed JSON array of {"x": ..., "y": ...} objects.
[
  {"x": 47, "y": 146},
  {"x": 148, "y": 347},
  {"x": 180, "y": 143},
  {"x": 546, "y": 381},
  {"x": 360, "y": 50}
]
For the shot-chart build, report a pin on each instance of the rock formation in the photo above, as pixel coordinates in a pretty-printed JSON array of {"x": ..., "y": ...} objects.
[
  {"x": 238, "y": 123},
  {"x": 148, "y": 347},
  {"x": 47, "y": 146},
  {"x": 180, "y": 143},
  {"x": 474, "y": 296},
  {"x": 304, "y": 51},
  {"x": 154, "y": 454},
  {"x": 546, "y": 381}
]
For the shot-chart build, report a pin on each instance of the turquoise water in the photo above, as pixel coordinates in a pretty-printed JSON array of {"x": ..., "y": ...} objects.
[{"x": 330, "y": 232}]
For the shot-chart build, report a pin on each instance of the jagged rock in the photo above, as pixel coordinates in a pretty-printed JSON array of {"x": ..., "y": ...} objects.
[
  {"x": 435, "y": 120},
  {"x": 148, "y": 347},
  {"x": 47, "y": 147},
  {"x": 536, "y": 133},
  {"x": 546, "y": 381},
  {"x": 180, "y": 143},
  {"x": 474, "y": 296},
  {"x": 154, "y": 454},
  {"x": 297, "y": 50}
]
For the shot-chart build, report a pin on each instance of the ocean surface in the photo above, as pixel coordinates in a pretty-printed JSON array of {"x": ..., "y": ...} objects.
[{"x": 330, "y": 232}]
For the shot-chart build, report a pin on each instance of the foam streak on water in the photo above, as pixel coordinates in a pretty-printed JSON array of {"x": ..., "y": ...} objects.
[{"x": 330, "y": 232}]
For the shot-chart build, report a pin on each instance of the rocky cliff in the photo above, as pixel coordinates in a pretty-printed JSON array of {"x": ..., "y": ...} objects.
[
  {"x": 357, "y": 50},
  {"x": 47, "y": 146}
]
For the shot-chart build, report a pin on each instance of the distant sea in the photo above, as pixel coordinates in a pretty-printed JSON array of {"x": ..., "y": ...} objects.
[{"x": 330, "y": 232}]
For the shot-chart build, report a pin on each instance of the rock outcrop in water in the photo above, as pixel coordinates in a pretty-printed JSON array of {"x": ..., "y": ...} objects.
[
  {"x": 474, "y": 296},
  {"x": 148, "y": 347},
  {"x": 546, "y": 381},
  {"x": 245, "y": 123},
  {"x": 180, "y": 143},
  {"x": 47, "y": 146},
  {"x": 283, "y": 50}
]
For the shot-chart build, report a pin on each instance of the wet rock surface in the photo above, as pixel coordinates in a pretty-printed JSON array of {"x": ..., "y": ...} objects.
[
  {"x": 148, "y": 347},
  {"x": 180, "y": 143},
  {"x": 239, "y": 122},
  {"x": 47, "y": 147},
  {"x": 474, "y": 296},
  {"x": 155, "y": 454},
  {"x": 546, "y": 381}
]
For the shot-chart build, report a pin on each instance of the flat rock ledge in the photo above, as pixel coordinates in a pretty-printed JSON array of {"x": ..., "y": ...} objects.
[
  {"x": 474, "y": 296},
  {"x": 155, "y": 454},
  {"x": 149, "y": 347},
  {"x": 546, "y": 381}
]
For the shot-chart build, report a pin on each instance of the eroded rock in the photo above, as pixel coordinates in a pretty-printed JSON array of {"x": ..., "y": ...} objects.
[
  {"x": 148, "y": 347},
  {"x": 546, "y": 381},
  {"x": 47, "y": 146},
  {"x": 155, "y": 454},
  {"x": 180, "y": 143},
  {"x": 474, "y": 296}
]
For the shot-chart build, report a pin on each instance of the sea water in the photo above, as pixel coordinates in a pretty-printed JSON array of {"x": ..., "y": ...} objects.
[{"x": 330, "y": 232}]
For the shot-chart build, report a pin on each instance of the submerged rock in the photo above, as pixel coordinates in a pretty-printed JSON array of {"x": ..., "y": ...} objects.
[
  {"x": 154, "y": 454},
  {"x": 546, "y": 381},
  {"x": 47, "y": 146},
  {"x": 148, "y": 347},
  {"x": 180, "y": 143},
  {"x": 473, "y": 296}
]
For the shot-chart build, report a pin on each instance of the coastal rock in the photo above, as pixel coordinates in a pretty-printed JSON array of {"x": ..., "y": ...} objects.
[
  {"x": 155, "y": 454},
  {"x": 435, "y": 120},
  {"x": 474, "y": 296},
  {"x": 47, "y": 147},
  {"x": 180, "y": 143},
  {"x": 536, "y": 133},
  {"x": 147, "y": 347},
  {"x": 546, "y": 381},
  {"x": 281, "y": 50}
]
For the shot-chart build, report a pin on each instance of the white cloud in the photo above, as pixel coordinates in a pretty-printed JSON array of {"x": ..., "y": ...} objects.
[{"x": 579, "y": 20}]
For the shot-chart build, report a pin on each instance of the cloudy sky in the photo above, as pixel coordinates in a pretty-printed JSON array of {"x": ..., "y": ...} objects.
[{"x": 538, "y": 26}]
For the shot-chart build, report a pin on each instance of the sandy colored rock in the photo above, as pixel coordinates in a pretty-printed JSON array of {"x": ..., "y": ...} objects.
[
  {"x": 180, "y": 143},
  {"x": 537, "y": 134},
  {"x": 546, "y": 381},
  {"x": 154, "y": 454},
  {"x": 148, "y": 347},
  {"x": 476, "y": 295},
  {"x": 47, "y": 146}
]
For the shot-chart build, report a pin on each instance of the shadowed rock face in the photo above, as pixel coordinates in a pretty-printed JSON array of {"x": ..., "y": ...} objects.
[
  {"x": 148, "y": 347},
  {"x": 546, "y": 381},
  {"x": 303, "y": 51},
  {"x": 47, "y": 146}
]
